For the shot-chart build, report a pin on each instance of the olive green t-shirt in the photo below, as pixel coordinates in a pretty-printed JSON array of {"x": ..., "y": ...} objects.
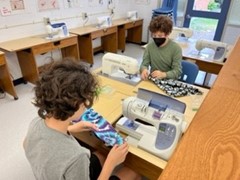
[{"x": 166, "y": 59}]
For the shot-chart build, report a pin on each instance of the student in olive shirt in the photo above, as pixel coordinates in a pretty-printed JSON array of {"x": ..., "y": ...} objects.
[{"x": 162, "y": 55}]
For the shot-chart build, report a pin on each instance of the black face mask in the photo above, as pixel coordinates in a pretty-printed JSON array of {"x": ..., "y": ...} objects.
[{"x": 159, "y": 41}]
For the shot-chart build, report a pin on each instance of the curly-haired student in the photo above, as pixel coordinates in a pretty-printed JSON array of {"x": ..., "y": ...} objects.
[
  {"x": 62, "y": 93},
  {"x": 162, "y": 55}
]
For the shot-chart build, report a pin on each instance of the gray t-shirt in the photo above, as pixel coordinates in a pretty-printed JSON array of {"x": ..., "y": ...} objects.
[{"x": 54, "y": 155}]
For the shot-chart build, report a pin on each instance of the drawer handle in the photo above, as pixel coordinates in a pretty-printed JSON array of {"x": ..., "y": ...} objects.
[
  {"x": 105, "y": 30},
  {"x": 56, "y": 43}
]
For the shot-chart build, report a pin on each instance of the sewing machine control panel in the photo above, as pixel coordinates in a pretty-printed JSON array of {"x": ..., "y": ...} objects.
[
  {"x": 169, "y": 129},
  {"x": 165, "y": 136},
  {"x": 219, "y": 52}
]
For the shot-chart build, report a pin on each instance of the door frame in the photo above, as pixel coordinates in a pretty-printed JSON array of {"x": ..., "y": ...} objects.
[{"x": 220, "y": 16}]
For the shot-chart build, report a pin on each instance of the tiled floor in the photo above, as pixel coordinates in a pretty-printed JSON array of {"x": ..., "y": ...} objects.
[{"x": 15, "y": 117}]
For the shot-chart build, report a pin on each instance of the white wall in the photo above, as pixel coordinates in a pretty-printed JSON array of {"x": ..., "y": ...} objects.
[
  {"x": 232, "y": 29},
  {"x": 31, "y": 22},
  {"x": 145, "y": 11}
]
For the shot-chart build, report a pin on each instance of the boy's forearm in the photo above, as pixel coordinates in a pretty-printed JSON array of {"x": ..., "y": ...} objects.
[
  {"x": 75, "y": 128},
  {"x": 106, "y": 171}
]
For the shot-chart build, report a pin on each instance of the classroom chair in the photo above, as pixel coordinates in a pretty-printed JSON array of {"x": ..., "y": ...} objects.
[
  {"x": 189, "y": 72},
  {"x": 169, "y": 8}
]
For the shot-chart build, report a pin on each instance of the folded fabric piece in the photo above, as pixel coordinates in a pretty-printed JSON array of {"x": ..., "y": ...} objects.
[
  {"x": 175, "y": 88},
  {"x": 106, "y": 131}
]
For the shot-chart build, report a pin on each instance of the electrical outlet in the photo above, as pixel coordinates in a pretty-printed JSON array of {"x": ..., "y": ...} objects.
[
  {"x": 112, "y": 12},
  {"x": 84, "y": 15},
  {"x": 46, "y": 20}
]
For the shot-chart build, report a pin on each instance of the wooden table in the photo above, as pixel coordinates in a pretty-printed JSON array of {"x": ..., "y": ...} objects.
[
  {"x": 27, "y": 48},
  {"x": 112, "y": 38},
  {"x": 210, "y": 147},
  {"x": 5, "y": 79},
  {"x": 133, "y": 30},
  {"x": 87, "y": 34},
  {"x": 109, "y": 105},
  {"x": 206, "y": 64}
]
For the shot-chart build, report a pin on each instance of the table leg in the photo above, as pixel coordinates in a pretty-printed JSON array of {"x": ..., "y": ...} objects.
[
  {"x": 109, "y": 43},
  {"x": 86, "y": 48},
  {"x": 6, "y": 82},
  {"x": 28, "y": 65},
  {"x": 135, "y": 35},
  {"x": 121, "y": 38},
  {"x": 70, "y": 51}
]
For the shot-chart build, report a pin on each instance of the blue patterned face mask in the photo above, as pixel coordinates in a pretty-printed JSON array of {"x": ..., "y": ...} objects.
[{"x": 159, "y": 41}]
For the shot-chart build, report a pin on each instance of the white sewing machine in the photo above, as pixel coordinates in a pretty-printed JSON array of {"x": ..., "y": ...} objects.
[
  {"x": 219, "y": 48},
  {"x": 180, "y": 32},
  {"x": 165, "y": 125},
  {"x": 104, "y": 21},
  {"x": 120, "y": 67},
  {"x": 132, "y": 15},
  {"x": 57, "y": 30}
]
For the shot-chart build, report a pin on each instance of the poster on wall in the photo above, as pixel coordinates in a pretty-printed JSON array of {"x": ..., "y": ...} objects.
[
  {"x": 12, "y": 7},
  {"x": 142, "y": 1},
  {"x": 111, "y": 4},
  {"x": 72, "y": 3},
  {"x": 95, "y": 2},
  {"x": 47, "y": 5}
]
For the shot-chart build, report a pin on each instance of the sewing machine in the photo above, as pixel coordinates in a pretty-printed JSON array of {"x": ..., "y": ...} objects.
[
  {"x": 57, "y": 30},
  {"x": 180, "y": 32},
  {"x": 153, "y": 122},
  {"x": 132, "y": 15},
  {"x": 104, "y": 21},
  {"x": 219, "y": 48},
  {"x": 120, "y": 67}
]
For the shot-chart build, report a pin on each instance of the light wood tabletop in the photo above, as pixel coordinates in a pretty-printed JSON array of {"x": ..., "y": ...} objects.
[
  {"x": 28, "y": 42},
  {"x": 93, "y": 27},
  {"x": 210, "y": 147},
  {"x": 27, "y": 48}
]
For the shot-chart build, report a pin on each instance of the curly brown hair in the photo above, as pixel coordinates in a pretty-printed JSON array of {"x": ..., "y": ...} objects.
[
  {"x": 62, "y": 87},
  {"x": 161, "y": 23}
]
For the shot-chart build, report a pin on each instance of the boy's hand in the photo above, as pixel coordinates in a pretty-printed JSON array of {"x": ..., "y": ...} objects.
[
  {"x": 158, "y": 74},
  {"x": 117, "y": 154},
  {"x": 144, "y": 74},
  {"x": 82, "y": 126}
]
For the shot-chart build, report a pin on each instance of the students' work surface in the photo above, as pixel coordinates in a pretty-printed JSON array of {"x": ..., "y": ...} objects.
[
  {"x": 123, "y": 21},
  {"x": 118, "y": 86},
  {"x": 109, "y": 103},
  {"x": 90, "y": 29}
]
